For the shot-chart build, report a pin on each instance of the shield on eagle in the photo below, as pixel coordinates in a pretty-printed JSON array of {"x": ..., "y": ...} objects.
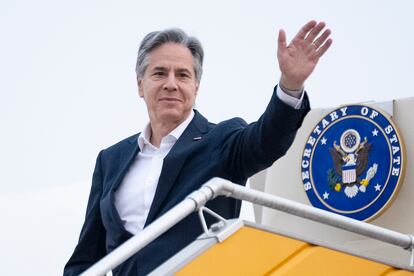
[{"x": 348, "y": 174}]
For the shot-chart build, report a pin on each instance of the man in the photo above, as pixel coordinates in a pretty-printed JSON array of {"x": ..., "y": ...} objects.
[{"x": 140, "y": 178}]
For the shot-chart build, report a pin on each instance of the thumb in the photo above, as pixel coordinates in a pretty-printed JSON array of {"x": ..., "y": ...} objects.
[{"x": 281, "y": 40}]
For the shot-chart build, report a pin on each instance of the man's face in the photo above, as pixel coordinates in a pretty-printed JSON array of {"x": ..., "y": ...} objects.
[{"x": 169, "y": 86}]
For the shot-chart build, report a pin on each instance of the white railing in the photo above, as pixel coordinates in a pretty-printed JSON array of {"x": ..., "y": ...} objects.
[{"x": 220, "y": 187}]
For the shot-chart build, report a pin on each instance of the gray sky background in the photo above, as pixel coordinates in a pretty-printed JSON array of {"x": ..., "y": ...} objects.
[{"x": 68, "y": 89}]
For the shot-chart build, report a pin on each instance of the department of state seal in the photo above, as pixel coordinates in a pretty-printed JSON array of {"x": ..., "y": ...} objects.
[{"x": 353, "y": 162}]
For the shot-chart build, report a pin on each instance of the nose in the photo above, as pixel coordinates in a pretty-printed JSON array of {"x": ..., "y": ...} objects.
[{"x": 170, "y": 84}]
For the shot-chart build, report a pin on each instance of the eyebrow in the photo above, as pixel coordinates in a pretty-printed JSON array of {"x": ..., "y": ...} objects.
[
  {"x": 184, "y": 70},
  {"x": 159, "y": 68}
]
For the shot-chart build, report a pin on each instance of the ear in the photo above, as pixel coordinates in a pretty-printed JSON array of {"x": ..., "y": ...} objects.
[
  {"x": 140, "y": 88},
  {"x": 196, "y": 88}
]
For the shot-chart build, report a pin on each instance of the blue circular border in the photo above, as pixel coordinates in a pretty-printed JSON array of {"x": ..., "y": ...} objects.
[{"x": 336, "y": 119}]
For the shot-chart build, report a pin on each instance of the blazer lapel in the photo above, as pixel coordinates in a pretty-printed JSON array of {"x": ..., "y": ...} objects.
[
  {"x": 127, "y": 156},
  {"x": 175, "y": 160}
]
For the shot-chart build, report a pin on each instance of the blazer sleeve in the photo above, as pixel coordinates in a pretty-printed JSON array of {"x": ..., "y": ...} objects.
[
  {"x": 91, "y": 245},
  {"x": 248, "y": 149}
]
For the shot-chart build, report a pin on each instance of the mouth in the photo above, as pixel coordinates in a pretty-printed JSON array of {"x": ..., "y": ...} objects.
[{"x": 169, "y": 99}]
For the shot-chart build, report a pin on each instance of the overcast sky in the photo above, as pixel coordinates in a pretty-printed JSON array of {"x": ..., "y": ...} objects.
[{"x": 68, "y": 89}]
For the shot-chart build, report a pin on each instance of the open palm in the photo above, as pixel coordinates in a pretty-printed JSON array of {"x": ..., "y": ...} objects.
[{"x": 298, "y": 59}]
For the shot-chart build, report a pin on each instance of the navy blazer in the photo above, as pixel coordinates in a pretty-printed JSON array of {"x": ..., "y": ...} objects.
[{"x": 231, "y": 149}]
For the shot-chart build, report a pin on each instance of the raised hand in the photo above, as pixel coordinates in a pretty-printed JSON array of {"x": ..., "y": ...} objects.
[{"x": 298, "y": 59}]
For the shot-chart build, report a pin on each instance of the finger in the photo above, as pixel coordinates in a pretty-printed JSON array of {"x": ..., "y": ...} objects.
[
  {"x": 281, "y": 40},
  {"x": 322, "y": 38},
  {"x": 315, "y": 31},
  {"x": 305, "y": 29},
  {"x": 324, "y": 48}
]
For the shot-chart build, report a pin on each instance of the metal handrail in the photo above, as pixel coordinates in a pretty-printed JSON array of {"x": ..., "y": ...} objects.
[{"x": 220, "y": 187}]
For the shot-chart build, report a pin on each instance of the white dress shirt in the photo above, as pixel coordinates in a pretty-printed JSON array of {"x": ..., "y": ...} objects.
[{"x": 134, "y": 197}]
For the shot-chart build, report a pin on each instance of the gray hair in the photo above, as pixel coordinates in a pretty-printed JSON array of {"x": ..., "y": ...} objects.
[{"x": 155, "y": 39}]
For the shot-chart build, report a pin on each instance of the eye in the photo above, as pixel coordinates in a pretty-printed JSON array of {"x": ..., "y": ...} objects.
[
  {"x": 184, "y": 75},
  {"x": 159, "y": 73}
]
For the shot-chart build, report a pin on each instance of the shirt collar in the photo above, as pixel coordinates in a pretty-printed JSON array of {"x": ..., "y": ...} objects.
[{"x": 172, "y": 137}]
